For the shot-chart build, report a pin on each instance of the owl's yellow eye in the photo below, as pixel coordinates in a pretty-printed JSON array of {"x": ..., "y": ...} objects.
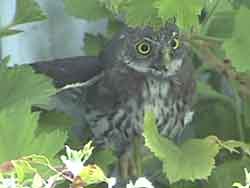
[
  {"x": 143, "y": 48},
  {"x": 175, "y": 43}
]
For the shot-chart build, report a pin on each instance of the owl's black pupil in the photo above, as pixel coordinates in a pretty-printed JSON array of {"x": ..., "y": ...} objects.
[{"x": 144, "y": 47}]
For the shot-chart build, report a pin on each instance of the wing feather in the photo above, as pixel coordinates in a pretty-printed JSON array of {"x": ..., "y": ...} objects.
[{"x": 70, "y": 70}]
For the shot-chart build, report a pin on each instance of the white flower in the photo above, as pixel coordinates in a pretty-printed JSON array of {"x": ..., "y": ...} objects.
[
  {"x": 247, "y": 174},
  {"x": 74, "y": 166},
  {"x": 238, "y": 185},
  {"x": 75, "y": 160},
  {"x": 8, "y": 182},
  {"x": 111, "y": 182},
  {"x": 141, "y": 182}
]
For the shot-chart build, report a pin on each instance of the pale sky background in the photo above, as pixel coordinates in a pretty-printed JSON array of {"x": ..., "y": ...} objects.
[{"x": 59, "y": 36}]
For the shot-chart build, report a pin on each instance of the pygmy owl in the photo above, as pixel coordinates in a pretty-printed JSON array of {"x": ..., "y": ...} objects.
[{"x": 139, "y": 68}]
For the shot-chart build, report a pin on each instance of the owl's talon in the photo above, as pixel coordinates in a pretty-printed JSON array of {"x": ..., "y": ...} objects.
[{"x": 124, "y": 165}]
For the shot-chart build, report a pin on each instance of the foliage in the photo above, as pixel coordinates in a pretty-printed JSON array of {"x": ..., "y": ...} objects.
[
  {"x": 217, "y": 32},
  {"x": 88, "y": 9},
  {"x": 185, "y": 11},
  {"x": 237, "y": 48},
  {"x": 93, "y": 44},
  {"x": 36, "y": 90},
  {"x": 18, "y": 127},
  {"x": 182, "y": 157},
  {"x": 24, "y": 172},
  {"x": 16, "y": 118},
  {"x": 26, "y": 11}
]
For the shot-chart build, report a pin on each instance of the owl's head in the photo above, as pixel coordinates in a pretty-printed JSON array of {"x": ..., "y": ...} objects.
[{"x": 158, "y": 53}]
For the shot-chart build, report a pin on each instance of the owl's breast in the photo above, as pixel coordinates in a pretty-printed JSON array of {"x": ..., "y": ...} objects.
[
  {"x": 116, "y": 117},
  {"x": 166, "y": 107}
]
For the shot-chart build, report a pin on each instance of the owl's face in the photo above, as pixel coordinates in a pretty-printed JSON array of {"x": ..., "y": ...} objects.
[{"x": 156, "y": 53}]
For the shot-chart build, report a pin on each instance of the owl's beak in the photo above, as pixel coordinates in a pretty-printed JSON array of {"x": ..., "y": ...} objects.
[
  {"x": 164, "y": 62},
  {"x": 166, "y": 56}
]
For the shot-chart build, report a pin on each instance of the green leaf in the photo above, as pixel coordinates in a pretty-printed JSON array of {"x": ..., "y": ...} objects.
[
  {"x": 238, "y": 48},
  {"x": 179, "y": 162},
  {"x": 28, "y": 11},
  {"x": 186, "y": 12},
  {"x": 92, "y": 174},
  {"x": 91, "y": 10},
  {"x": 20, "y": 84},
  {"x": 22, "y": 168},
  {"x": 47, "y": 144},
  {"x": 93, "y": 44},
  {"x": 239, "y": 3},
  {"x": 113, "y": 5},
  {"x": 215, "y": 114},
  {"x": 228, "y": 173},
  {"x": 104, "y": 158},
  {"x": 232, "y": 145},
  {"x": 221, "y": 25},
  {"x": 114, "y": 26},
  {"x": 138, "y": 13},
  {"x": 8, "y": 32},
  {"x": 52, "y": 120},
  {"x": 18, "y": 138},
  {"x": 5, "y": 61},
  {"x": 246, "y": 110}
]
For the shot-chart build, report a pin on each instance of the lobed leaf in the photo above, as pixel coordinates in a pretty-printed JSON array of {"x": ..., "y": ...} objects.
[
  {"x": 186, "y": 12},
  {"x": 18, "y": 138},
  {"x": 192, "y": 160},
  {"x": 91, "y": 10},
  {"x": 138, "y": 13},
  {"x": 93, "y": 44},
  {"x": 238, "y": 47},
  {"x": 28, "y": 11},
  {"x": 8, "y": 32},
  {"x": 228, "y": 173},
  {"x": 20, "y": 84}
]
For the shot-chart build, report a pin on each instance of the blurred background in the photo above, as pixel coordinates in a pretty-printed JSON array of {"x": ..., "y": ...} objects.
[{"x": 57, "y": 37}]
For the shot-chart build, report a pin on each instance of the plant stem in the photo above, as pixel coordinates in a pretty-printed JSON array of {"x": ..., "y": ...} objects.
[{"x": 206, "y": 38}]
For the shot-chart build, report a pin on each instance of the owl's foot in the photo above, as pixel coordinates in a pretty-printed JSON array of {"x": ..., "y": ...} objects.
[
  {"x": 127, "y": 166},
  {"x": 130, "y": 161}
]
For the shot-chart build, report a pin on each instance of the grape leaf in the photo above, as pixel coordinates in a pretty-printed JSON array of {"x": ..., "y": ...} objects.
[
  {"x": 139, "y": 13},
  {"x": 113, "y": 5},
  {"x": 239, "y": 3},
  {"x": 47, "y": 144},
  {"x": 28, "y": 11},
  {"x": 226, "y": 174},
  {"x": 221, "y": 25},
  {"x": 186, "y": 12},
  {"x": 104, "y": 158},
  {"x": 114, "y": 26},
  {"x": 238, "y": 48},
  {"x": 8, "y": 32},
  {"x": 53, "y": 120},
  {"x": 93, "y": 44},
  {"x": 91, "y": 10},
  {"x": 232, "y": 145},
  {"x": 18, "y": 138},
  {"x": 246, "y": 110},
  {"x": 179, "y": 162},
  {"x": 222, "y": 111},
  {"x": 20, "y": 84}
]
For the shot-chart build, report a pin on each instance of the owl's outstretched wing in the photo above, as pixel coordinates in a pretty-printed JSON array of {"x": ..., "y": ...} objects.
[{"x": 70, "y": 70}]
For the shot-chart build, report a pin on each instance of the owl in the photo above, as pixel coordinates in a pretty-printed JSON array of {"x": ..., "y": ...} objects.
[{"x": 140, "y": 68}]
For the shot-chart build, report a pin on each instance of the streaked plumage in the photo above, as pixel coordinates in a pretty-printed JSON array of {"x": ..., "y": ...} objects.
[{"x": 141, "y": 68}]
